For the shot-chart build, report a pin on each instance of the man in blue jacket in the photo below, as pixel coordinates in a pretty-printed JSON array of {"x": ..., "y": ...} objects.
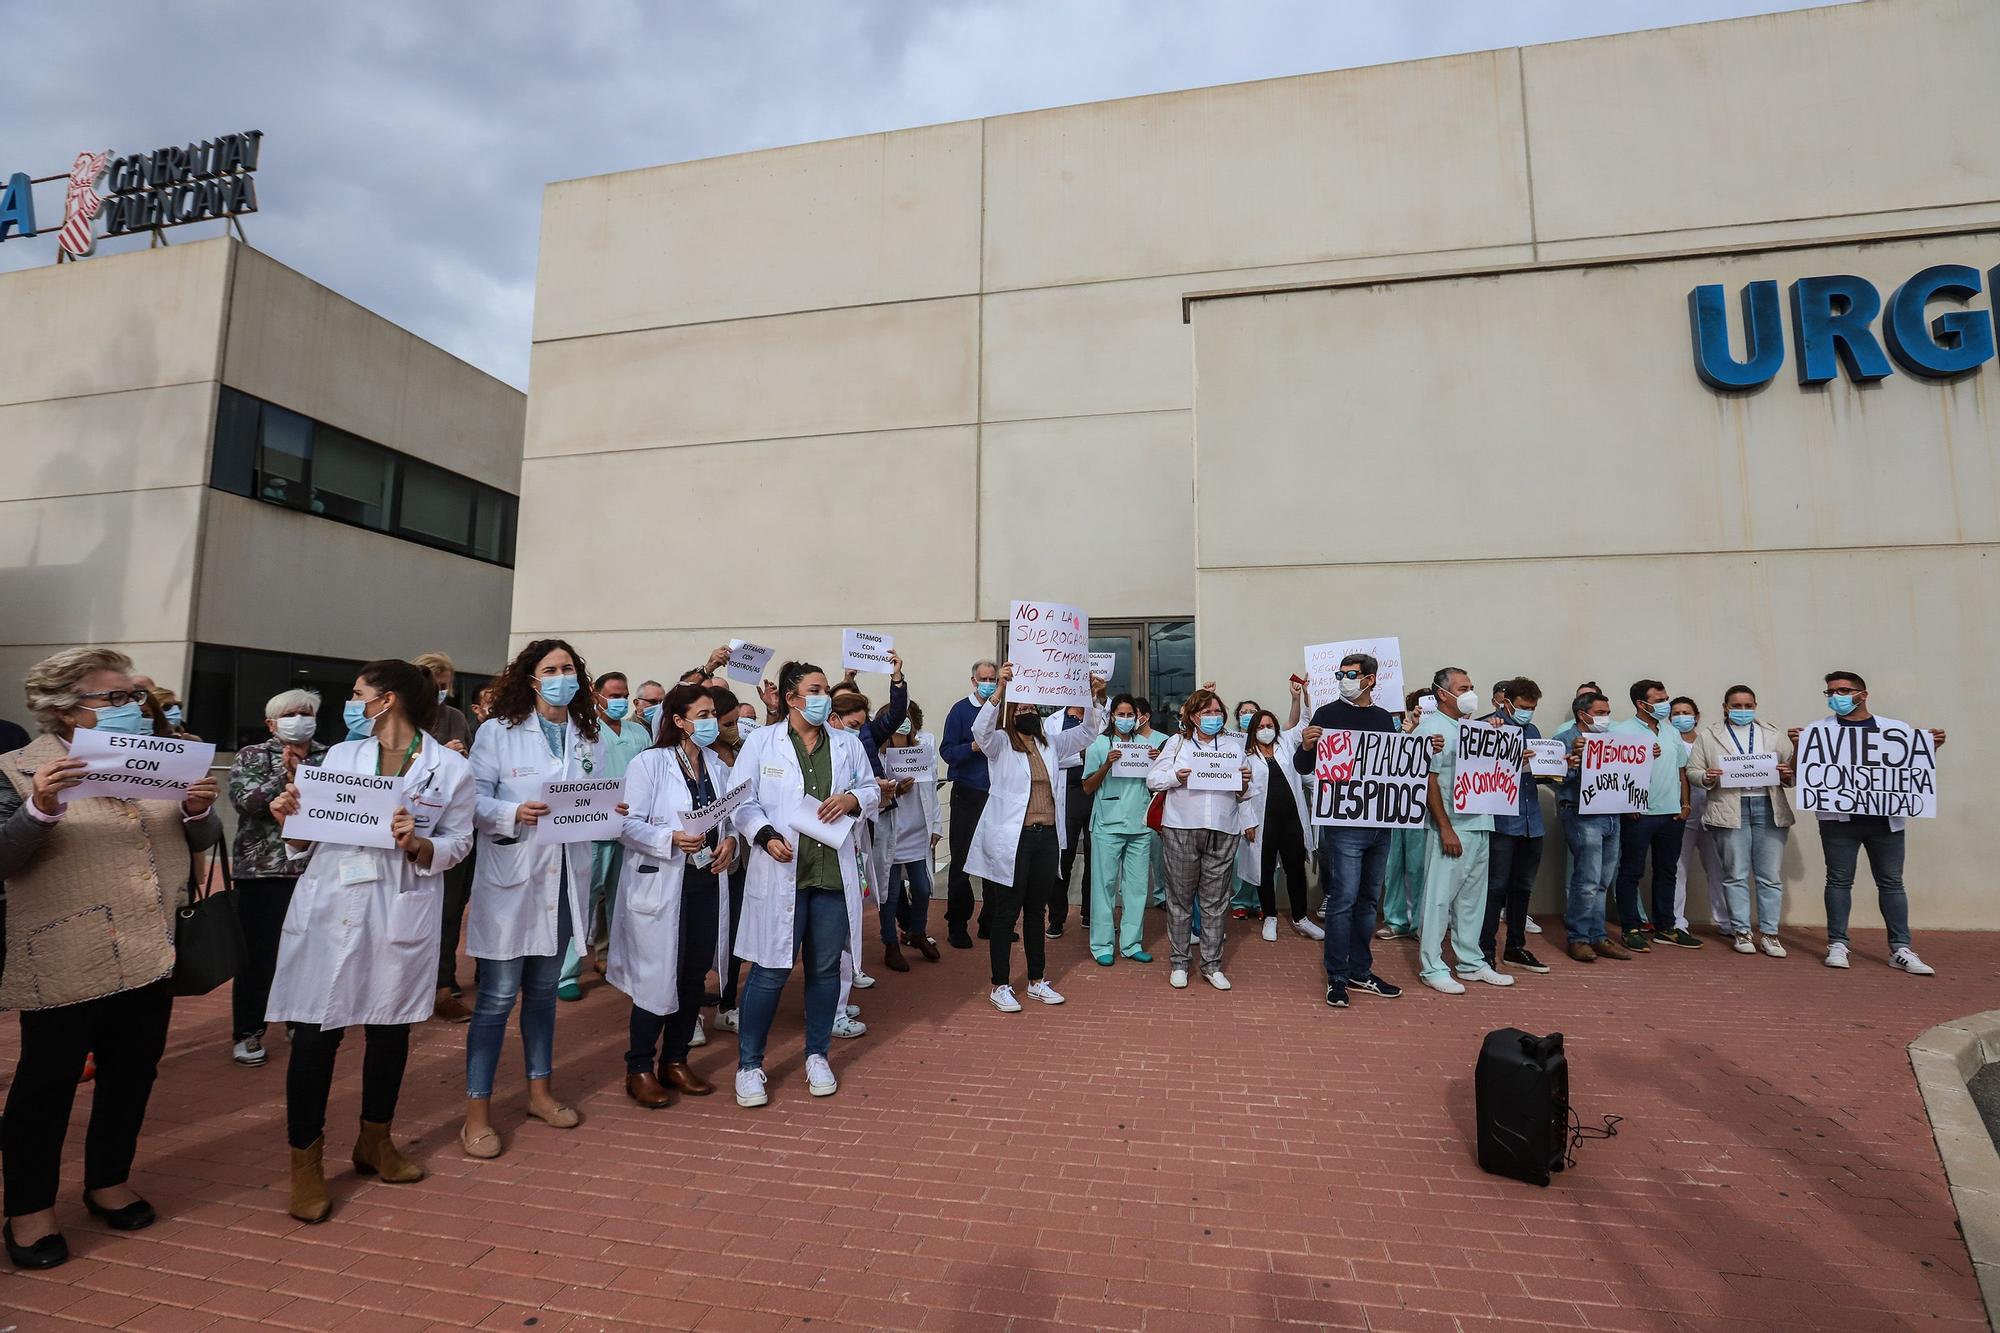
[{"x": 965, "y": 768}]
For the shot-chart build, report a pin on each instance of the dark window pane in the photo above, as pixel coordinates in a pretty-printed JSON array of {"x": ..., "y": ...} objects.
[
  {"x": 437, "y": 506},
  {"x": 233, "y": 467},
  {"x": 493, "y": 534},
  {"x": 284, "y": 457},
  {"x": 1169, "y": 667},
  {"x": 211, "y": 696},
  {"x": 333, "y": 679},
  {"x": 352, "y": 479}
]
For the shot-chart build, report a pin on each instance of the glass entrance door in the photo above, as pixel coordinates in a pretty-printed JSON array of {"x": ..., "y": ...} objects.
[{"x": 1155, "y": 660}]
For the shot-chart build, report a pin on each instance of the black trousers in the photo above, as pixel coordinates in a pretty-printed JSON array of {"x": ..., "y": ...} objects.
[
  {"x": 699, "y": 910},
  {"x": 1035, "y": 861},
  {"x": 967, "y": 805},
  {"x": 1284, "y": 843},
  {"x": 1076, "y": 817},
  {"x": 457, "y": 891},
  {"x": 128, "y": 1032},
  {"x": 729, "y": 966},
  {"x": 1511, "y": 863},
  {"x": 260, "y": 907},
  {"x": 309, "y": 1076}
]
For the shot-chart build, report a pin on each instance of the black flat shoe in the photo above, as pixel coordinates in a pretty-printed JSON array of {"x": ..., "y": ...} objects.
[
  {"x": 47, "y": 1252},
  {"x": 134, "y": 1216}
]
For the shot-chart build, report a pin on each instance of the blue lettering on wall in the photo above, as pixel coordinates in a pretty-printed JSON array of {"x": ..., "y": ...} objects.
[
  {"x": 1830, "y": 319},
  {"x": 1763, "y": 342},
  {"x": 17, "y": 206},
  {"x": 1959, "y": 340}
]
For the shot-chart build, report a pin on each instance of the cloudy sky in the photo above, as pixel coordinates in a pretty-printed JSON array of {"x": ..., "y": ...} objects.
[{"x": 407, "y": 141}]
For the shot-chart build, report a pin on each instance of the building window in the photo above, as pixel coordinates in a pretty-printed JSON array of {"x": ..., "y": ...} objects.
[
  {"x": 275, "y": 455},
  {"x": 230, "y": 686}
]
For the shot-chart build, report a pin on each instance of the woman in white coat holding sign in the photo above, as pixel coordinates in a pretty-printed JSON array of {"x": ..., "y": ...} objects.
[
  {"x": 528, "y": 897},
  {"x": 360, "y": 940},
  {"x": 1018, "y": 845},
  {"x": 672, "y": 923},
  {"x": 799, "y": 891}
]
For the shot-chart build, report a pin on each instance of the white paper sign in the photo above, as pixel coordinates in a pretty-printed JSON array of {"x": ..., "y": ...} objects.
[
  {"x": 1548, "y": 759},
  {"x": 1371, "y": 779},
  {"x": 699, "y": 821},
  {"x": 1323, "y": 660},
  {"x": 1132, "y": 761},
  {"x": 1217, "y": 765},
  {"x": 137, "y": 768},
  {"x": 1613, "y": 777},
  {"x": 1887, "y": 769},
  {"x": 1486, "y": 771},
  {"x": 1103, "y": 664},
  {"x": 1049, "y": 645},
  {"x": 353, "y": 809},
  {"x": 1748, "y": 770},
  {"x": 580, "y": 811},
  {"x": 747, "y": 662},
  {"x": 803, "y": 819},
  {"x": 864, "y": 650},
  {"x": 917, "y": 761}
]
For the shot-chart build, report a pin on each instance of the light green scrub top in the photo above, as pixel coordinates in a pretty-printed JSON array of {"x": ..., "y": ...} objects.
[
  {"x": 1445, "y": 764},
  {"x": 1121, "y": 802}
]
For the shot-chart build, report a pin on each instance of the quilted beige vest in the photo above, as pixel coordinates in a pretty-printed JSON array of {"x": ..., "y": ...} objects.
[{"x": 92, "y": 914}]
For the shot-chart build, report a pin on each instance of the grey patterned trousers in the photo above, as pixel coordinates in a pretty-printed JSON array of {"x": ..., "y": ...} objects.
[{"x": 1199, "y": 862}]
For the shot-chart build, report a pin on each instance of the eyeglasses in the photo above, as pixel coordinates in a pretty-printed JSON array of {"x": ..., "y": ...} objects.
[
  {"x": 1841, "y": 689},
  {"x": 113, "y": 698}
]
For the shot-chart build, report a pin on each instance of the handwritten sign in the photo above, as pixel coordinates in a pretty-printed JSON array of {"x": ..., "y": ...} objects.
[
  {"x": 1323, "y": 660},
  {"x": 1486, "y": 770},
  {"x": 1548, "y": 759},
  {"x": 917, "y": 761},
  {"x": 1758, "y": 769},
  {"x": 1889, "y": 769},
  {"x": 698, "y": 821},
  {"x": 864, "y": 650},
  {"x": 1371, "y": 779},
  {"x": 353, "y": 809},
  {"x": 580, "y": 811},
  {"x": 1049, "y": 645},
  {"x": 1131, "y": 761},
  {"x": 1612, "y": 779},
  {"x": 747, "y": 662},
  {"x": 137, "y": 768},
  {"x": 1215, "y": 764},
  {"x": 1103, "y": 664}
]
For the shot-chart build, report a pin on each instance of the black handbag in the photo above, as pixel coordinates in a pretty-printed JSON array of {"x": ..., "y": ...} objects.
[{"x": 208, "y": 937}]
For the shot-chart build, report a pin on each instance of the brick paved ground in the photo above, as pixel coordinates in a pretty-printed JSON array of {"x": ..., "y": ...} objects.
[{"x": 1139, "y": 1159}]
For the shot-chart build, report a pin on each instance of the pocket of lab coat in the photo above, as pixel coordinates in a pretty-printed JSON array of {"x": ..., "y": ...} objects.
[
  {"x": 505, "y": 864},
  {"x": 646, "y": 895},
  {"x": 413, "y": 915}
]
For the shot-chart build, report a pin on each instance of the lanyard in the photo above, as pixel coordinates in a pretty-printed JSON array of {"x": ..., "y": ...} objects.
[
  {"x": 1740, "y": 747},
  {"x": 403, "y": 767}
]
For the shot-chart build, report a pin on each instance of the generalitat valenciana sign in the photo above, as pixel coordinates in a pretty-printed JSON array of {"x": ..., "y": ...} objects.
[{"x": 167, "y": 187}]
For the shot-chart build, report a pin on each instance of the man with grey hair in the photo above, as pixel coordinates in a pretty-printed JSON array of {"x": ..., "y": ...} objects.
[
  {"x": 1456, "y": 853},
  {"x": 965, "y": 768}
]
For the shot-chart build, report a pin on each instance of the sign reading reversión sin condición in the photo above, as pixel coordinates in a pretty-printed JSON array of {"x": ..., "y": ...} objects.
[{"x": 167, "y": 187}]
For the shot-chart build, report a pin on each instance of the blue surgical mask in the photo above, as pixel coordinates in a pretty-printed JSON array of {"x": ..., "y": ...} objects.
[
  {"x": 1660, "y": 710},
  {"x": 1684, "y": 723},
  {"x": 652, "y": 715},
  {"x": 1522, "y": 716},
  {"x": 985, "y": 689},
  {"x": 1243, "y": 721},
  {"x": 559, "y": 690},
  {"x": 705, "y": 731},
  {"x": 360, "y": 726},
  {"x": 816, "y": 708},
  {"x": 616, "y": 709},
  {"x": 130, "y": 719},
  {"x": 1210, "y": 724},
  {"x": 173, "y": 715},
  {"x": 905, "y": 729},
  {"x": 1841, "y": 704},
  {"x": 1742, "y": 717},
  {"x": 1126, "y": 725}
]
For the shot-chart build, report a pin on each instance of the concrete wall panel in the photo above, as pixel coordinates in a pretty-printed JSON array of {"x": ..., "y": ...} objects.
[
  {"x": 166, "y": 663},
  {"x": 88, "y": 568},
  {"x": 141, "y": 439}
]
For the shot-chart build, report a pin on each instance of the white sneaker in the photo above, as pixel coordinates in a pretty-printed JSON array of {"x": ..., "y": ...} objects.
[
  {"x": 1491, "y": 977},
  {"x": 854, "y": 1011},
  {"x": 1836, "y": 955},
  {"x": 1304, "y": 926},
  {"x": 699, "y": 1038},
  {"x": 848, "y": 1027},
  {"x": 819, "y": 1077},
  {"x": 1771, "y": 946},
  {"x": 750, "y": 1088},
  {"x": 249, "y": 1051},
  {"x": 1043, "y": 991},
  {"x": 1743, "y": 944},
  {"x": 1003, "y": 1000},
  {"x": 862, "y": 981},
  {"x": 1216, "y": 979},
  {"x": 1178, "y": 978},
  {"x": 1270, "y": 928},
  {"x": 1905, "y": 960},
  {"x": 726, "y": 1020},
  {"x": 1443, "y": 985},
  {"x": 1533, "y": 929}
]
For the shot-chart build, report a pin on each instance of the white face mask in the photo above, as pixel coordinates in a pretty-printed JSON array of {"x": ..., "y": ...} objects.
[
  {"x": 1468, "y": 703},
  {"x": 296, "y": 730},
  {"x": 442, "y": 694},
  {"x": 1350, "y": 690},
  {"x": 1599, "y": 723},
  {"x": 1265, "y": 735}
]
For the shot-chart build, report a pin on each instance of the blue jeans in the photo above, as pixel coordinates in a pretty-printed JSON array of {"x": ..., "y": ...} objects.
[
  {"x": 533, "y": 979},
  {"x": 1754, "y": 850},
  {"x": 1593, "y": 864},
  {"x": 1843, "y": 841},
  {"x": 1354, "y": 861},
  {"x": 820, "y": 919},
  {"x": 906, "y": 901}
]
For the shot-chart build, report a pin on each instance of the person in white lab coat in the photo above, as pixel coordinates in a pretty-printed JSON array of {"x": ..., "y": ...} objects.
[
  {"x": 672, "y": 925},
  {"x": 913, "y": 827},
  {"x": 1017, "y": 847},
  {"x": 1274, "y": 831},
  {"x": 360, "y": 941},
  {"x": 527, "y": 897},
  {"x": 1198, "y": 831},
  {"x": 799, "y": 891}
]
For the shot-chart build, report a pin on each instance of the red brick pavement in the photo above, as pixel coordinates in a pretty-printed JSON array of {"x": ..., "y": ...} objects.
[{"x": 1138, "y": 1159}]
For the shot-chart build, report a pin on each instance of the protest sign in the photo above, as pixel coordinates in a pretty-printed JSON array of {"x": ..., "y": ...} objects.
[
  {"x": 1486, "y": 774},
  {"x": 863, "y": 650},
  {"x": 1049, "y": 646},
  {"x": 1323, "y": 660},
  {"x": 1216, "y": 763},
  {"x": 1371, "y": 779},
  {"x": 349, "y": 808},
  {"x": 747, "y": 662},
  {"x": 1613, "y": 775},
  {"x": 1887, "y": 769},
  {"x": 910, "y": 761},
  {"x": 698, "y": 821},
  {"x": 1103, "y": 664},
  {"x": 1757, "y": 769},
  {"x": 1548, "y": 759},
  {"x": 1131, "y": 761},
  {"x": 579, "y": 811},
  {"x": 136, "y": 768}
]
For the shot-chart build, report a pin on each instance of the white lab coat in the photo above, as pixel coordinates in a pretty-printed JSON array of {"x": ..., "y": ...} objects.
[
  {"x": 908, "y": 827},
  {"x": 998, "y": 837},
  {"x": 367, "y": 952},
  {"x": 515, "y": 882},
  {"x": 1249, "y": 854},
  {"x": 767, "y": 934},
  {"x": 646, "y": 928}
]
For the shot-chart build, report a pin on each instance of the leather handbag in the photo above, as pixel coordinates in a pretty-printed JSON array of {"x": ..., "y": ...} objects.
[
  {"x": 208, "y": 937},
  {"x": 1156, "y": 813}
]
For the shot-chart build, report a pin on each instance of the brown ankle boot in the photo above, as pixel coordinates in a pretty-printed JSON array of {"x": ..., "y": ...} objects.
[
  {"x": 892, "y": 957},
  {"x": 375, "y": 1154},
  {"x": 309, "y": 1201},
  {"x": 680, "y": 1076}
]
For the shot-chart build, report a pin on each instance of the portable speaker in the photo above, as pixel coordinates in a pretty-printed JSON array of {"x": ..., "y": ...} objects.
[{"x": 1521, "y": 1084}]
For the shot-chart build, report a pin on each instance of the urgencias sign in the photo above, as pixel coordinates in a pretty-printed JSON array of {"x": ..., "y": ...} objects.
[{"x": 1833, "y": 328}]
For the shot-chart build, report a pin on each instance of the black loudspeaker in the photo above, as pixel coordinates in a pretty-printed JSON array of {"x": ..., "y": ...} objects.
[{"x": 1522, "y": 1087}]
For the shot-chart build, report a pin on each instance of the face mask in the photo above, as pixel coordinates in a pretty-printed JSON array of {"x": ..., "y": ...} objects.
[
  {"x": 1841, "y": 704},
  {"x": 559, "y": 690},
  {"x": 1243, "y": 721},
  {"x": 904, "y": 730},
  {"x": 652, "y": 715},
  {"x": 1598, "y": 723},
  {"x": 1522, "y": 716},
  {"x": 1126, "y": 725},
  {"x": 705, "y": 730},
  {"x": 1468, "y": 703},
  {"x": 1350, "y": 690},
  {"x": 816, "y": 708},
  {"x": 616, "y": 709},
  {"x": 1684, "y": 723},
  {"x": 129, "y": 719},
  {"x": 296, "y": 730},
  {"x": 1029, "y": 724},
  {"x": 1659, "y": 710},
  {"x": 1210, "y": 725},
  {"x": 985, "y": 690},
  {"x": 441, "y": 694},
  {"x": 1742, "y": 717},
  {"x": 360, "y": 726},
  {"x": 1265, "y": 735}
]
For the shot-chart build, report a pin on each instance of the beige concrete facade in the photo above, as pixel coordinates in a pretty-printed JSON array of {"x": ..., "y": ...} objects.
[
  {"x": 109, "y": 530},
  {"x": 987, "y": 316}
]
